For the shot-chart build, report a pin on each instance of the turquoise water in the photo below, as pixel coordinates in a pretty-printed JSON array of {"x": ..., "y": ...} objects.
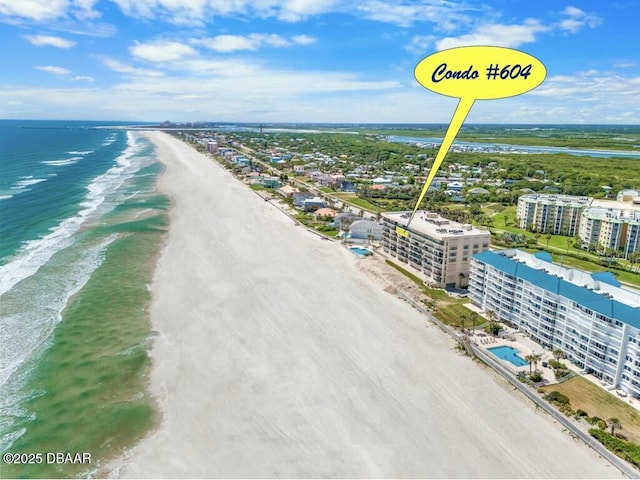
[
  {"x": 509, "y": 354},
  {"x": 360, "y": 251},
  {"x": 81, "y": 227}
]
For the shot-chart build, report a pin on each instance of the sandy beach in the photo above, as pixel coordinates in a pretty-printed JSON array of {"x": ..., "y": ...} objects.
[{"x": 276, "y": 357}]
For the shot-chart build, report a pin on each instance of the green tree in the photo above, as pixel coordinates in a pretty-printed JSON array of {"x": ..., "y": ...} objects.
[
  {"x": 473, "y": 316},
  {"x": 463, "y": 319},
  {"x": 529, "y": 358},
  {"x": 614, "y": 423},
  {"x": 558, "y": 354}
]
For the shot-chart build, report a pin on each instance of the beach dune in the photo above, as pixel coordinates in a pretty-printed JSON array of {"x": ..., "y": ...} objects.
[{"x": 276, "y": 357}]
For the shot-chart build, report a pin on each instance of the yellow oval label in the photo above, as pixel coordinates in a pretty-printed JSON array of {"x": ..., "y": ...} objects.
[
  {"x": 473, "y": 73},
  {"x": 480, "y": 72}
]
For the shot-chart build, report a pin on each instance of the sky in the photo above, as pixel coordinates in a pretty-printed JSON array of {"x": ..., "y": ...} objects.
[{"x": 312, "y": 61}]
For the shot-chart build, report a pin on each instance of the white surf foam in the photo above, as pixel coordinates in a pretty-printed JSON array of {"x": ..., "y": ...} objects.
[
  {"x": 27, "y": 182},
  {"x": 24, "y": 330},
  {"x": 60, "y": 163},
  {"x": 36, "y": 253}
]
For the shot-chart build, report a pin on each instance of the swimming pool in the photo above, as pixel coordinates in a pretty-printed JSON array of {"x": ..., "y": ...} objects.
[
  {"x": 509, "y": 354},
  {"x": 361, "y": 252}
]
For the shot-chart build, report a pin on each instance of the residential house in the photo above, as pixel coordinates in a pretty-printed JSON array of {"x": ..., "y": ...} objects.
[
  {"x": 366, "y": 230},
  {"x": 312, "y": 204},
  {"x": 287, "y": 191},
  {"x": 300, "y": 197}
]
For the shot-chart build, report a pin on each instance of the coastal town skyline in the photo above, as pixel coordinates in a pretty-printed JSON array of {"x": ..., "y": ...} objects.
[{"x": 306, "y": 61}]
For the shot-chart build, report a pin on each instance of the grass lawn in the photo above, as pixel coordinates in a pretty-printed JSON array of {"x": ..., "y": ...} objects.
[
  {"x": 356, "y": 201},
  {"x": 597, "y": 402},
  {"x": 450, "y": 312}
]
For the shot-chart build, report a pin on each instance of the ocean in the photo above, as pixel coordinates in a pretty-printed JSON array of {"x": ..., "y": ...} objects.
[{"x": 81, "y": 226}]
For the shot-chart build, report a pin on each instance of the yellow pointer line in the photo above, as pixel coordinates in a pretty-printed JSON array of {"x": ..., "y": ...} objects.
[{"x": 464, "y": 105}]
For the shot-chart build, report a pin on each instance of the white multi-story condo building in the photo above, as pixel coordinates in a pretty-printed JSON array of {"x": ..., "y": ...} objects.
[
  {"x": 439, "y": 250},
  {"x": 615, "y": 228},
  {"x": 557, "y": 214},
  {"x": 589, "y": 316},
  {"x": 629, "y": 195}
]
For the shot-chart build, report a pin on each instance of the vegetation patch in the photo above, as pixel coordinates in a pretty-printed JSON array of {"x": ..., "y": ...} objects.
[
  {"x": 624, "y": 449},
  {"x": 599, "y": 403}
]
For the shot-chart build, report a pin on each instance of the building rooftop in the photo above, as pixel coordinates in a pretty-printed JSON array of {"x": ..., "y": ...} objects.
[
  {"x": 553, "y": 198},
  {"x": 434, "y": 225},
  {"x": 624, "y": 214},
  {"x": 593, "y": 291}
]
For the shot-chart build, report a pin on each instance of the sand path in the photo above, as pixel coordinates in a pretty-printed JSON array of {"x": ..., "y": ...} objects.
[{"x": 277, "y": 358}]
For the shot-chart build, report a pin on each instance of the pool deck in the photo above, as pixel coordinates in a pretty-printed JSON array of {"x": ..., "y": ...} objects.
[{"x": 525, "y": 346}]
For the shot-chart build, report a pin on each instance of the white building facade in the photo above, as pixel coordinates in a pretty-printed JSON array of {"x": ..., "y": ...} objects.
[
  {"x": 557, "y": 214},
  {"x": 590, "y": 317},
  {"x": 615, "y": 228}
]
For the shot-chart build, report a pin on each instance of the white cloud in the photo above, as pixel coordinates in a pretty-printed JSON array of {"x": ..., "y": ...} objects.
[
  {"x": 120, "y": 67},
  {"x": 161, "y": 51},
  {"x": 304, "y": 39},
  {"x": 54, "y": 69},
  {"x": 83, "y": 78},
  {"x": 233, "y": 43},
  {"x": 576, "y": 19},
  {"x": 48, "y": 40},
  {"x": 446, "y": 16},
  {"x": 624, "y": 64},
  {"x": 202, "y": 11},
  {"x": 420, "y": 43},
  {"x": 297, "y": 10},
  {"x": 42, "y": 10},
  {"x": 497, "y": 34},
  {"x": 34, "y": 9}
]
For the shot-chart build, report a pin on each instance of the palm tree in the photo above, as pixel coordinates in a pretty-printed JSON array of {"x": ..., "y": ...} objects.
[
  {"x": 491, "y": 315},
  {"x": 558, "y": 354},
  {"x": 536, "y": 358},
  {"x": 548, "y": 236},
  {"x": 614, "y": 423},
  {"x": 530, "y": 358},
  {"x": 473, "y": 316},
  {"x": 568, "y": 244},
  {"x": 463, "y": 318}
]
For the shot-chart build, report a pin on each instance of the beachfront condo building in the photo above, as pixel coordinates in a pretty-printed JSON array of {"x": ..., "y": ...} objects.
[
  {"x": 611, "y": 228},
  {"x": 589, "y": 316},
  {"x": 557, "y": 214},
  {"x": 437, "y": 249}
]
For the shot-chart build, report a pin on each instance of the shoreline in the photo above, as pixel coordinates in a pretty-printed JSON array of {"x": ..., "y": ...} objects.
[{"x": 277, "y": 357}]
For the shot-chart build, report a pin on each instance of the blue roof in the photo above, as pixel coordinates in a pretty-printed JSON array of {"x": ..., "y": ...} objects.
[
  {"x": 583, "y": 296},
  {"x": 544, "y": 256},
  {"x": 606, "y": 277}
]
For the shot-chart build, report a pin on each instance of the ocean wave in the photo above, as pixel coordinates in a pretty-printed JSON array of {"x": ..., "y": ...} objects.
[
  {"x": 36, "y": 253},
  {"x": 27, "y": 182},
  {"x": 79, "y": 152},
  {"x": 24, "y": 330},
  {"x": 60, "y": 163},
  {"x": 109, "y": 140}
]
